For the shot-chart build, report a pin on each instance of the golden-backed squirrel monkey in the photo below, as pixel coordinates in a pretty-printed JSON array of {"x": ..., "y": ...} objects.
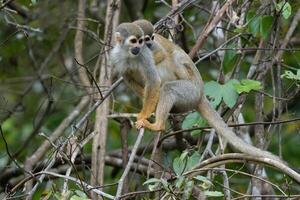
[
  {"x": 134, "y": 61},
  {"x": 182, "y": 88},
  {"x": 182, "y": 85}
]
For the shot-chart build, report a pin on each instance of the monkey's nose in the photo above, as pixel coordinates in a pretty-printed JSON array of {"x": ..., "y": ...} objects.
[
  {"x": 135, "y": 50},
  {"x": 149, "y": 45}
]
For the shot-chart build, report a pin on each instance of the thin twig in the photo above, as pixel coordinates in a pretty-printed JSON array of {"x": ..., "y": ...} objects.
[
  {"x": 129, "y": 164},
  {"x": 65, "y": 177},
  {"x": 5, "y": 3}
]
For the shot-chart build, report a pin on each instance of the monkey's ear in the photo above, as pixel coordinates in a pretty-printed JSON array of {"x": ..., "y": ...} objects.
[{"x": 118, "y": 38}]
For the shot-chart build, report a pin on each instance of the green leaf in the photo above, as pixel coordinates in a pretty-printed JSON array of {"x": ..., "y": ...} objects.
[
  {"x": 213, "y": 193},
  {"x": 229, "y": 56},
  {"x": 203, "y": 179},
  {"x": 193, "y": 161},
  {"x": 254, "y": 25},
  {"x": 153, "y": 183},
  {"x": 178, "y": 166},
  {"x": 193, "y": 120},
  {"x": 285, "y": 9},
  {"x": 290, "y": 75},
  {"x": 151, "y": 180},
  {"x": 229, "y": 93},
  {"x": 184, "y": 155},
  {"x": 75, "y": 197},
  {"x": 212, "y": 90},
  {"x": 205, "y": 182},
  {"x": 180, "y": 181},
  {"x": 165, "y": 184},
  {"x": 80, "y": 193},
  {"x": 188, "y": 190},
  {"x": 153, "y": 187},
  {"x": 202, "y": 122},
  {"x": 246, "y": 85},
  {"x": 266, "y": 26},
  {"x": 217, "y": 92}
]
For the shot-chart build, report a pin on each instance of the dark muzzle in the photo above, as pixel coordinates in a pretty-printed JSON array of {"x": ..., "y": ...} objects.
[{"x": 135, "y": 50}]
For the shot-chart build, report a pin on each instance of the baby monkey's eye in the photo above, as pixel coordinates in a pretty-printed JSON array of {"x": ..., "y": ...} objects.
[
  {"x": 133, "y": 40},
  {"x": 152, "y": 37},
  {"x": 141, "y": 41},
  {"x": 147, "y": 38}
]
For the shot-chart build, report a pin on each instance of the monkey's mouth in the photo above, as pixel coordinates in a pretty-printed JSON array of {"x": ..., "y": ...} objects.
[
  {"x": 149, "y": 45},
  {"x": 135, "y": 51}
]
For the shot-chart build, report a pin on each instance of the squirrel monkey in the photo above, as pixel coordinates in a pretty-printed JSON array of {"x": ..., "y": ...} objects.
[
  {"x": 182, "y": 86},
  {"x": 134, "y": 61}
]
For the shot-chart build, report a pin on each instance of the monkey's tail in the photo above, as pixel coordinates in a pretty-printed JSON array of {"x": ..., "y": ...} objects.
[{"x": 222, "y": 129}]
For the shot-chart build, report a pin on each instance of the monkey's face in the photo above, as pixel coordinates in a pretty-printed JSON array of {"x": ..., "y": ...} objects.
[
  {"x": 149, "y": 40},
  {"x": 134, "y": 45}
]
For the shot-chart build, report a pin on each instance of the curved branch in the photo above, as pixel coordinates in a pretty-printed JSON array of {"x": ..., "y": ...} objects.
[{"x": 242, "y": 158}]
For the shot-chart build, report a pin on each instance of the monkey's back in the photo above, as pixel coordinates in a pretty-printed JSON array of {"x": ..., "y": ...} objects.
[{"x": 185, "y": 68}]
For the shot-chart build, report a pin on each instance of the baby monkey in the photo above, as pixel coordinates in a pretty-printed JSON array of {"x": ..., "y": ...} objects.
[
  {"x": 181, "y": 84},
  {"x": 134, "y": 62}
]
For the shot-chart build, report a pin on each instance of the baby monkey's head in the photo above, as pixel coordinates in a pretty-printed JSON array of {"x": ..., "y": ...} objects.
[
  {"x": 130, "y": 37},
  {"x": 148, "y": 30}
]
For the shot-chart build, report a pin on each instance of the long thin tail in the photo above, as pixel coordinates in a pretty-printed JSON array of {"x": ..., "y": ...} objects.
[{"x": 222, "y": 129}]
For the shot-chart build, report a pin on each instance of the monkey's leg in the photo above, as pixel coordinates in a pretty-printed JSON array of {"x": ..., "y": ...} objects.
[
  {"x": 164, "y": 106},
  {"x": 182, "y": 95},
  {"x": 151, "y": 96}
]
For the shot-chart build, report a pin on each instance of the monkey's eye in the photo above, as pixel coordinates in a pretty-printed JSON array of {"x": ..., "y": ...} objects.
[
  {"x": 152, "y": 37},
  {"x": 147, "y": 38},
  {"x": 133, "y": 40},
  {"x": 141, "y": 41}
]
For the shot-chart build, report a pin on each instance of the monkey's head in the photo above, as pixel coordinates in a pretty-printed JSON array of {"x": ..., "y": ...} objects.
[
  {"x": 148, "y": 30},
  {"x": 130, "y": 37}
]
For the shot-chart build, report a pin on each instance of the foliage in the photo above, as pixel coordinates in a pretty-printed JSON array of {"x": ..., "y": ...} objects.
[
  {"x": 246, "y": 85},
  {"x": 192, "y": 120},
  {"x": 217, "y": 92},
  {"x": 260, "y": 26},
  {"x": 290, "y": 75},
  {"x": 285, "y": 8},
  {"x": 182, "y": 186},
  {"x": 38, "y": 68}
]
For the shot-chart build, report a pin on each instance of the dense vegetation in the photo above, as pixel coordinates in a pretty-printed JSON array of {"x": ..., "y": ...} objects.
[{"x": 54, "y": 69}]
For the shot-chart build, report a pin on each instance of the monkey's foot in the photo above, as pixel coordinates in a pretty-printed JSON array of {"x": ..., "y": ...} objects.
[
  {"x": 140, "y": 123},
  {"x": 146, "y": 124}
]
